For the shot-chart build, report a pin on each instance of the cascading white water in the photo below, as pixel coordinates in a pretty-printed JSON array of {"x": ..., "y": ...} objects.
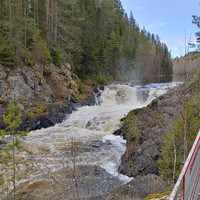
[{"x": 92, "y": 127}]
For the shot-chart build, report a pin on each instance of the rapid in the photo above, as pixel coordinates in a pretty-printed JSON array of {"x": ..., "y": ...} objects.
[{"x": 85, "y": 137}]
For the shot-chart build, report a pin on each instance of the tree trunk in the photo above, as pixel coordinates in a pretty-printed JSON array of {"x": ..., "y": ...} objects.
[
  {"x": 47, "y": 20},
  {"x": 175, "y": 161},
  {"x": 25, "y": 30},
  {"x": 14, "y": 167},
  {"x": 56, "y": 21}
]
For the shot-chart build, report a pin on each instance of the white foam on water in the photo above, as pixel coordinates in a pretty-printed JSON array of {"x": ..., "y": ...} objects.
[
  {"x": 96, "y": 122},
  {"x": 112, "y": 166}
]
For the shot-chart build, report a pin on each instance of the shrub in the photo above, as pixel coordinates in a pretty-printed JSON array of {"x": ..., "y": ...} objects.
[
  {"x": 56, "y": 57},
  {"x": 130, "y": 125},
  {"x": 47, "y": 71},
  {"x": 102, "y": 79},
  {"x": 81, "y": 87},
  {"x": 6, "y": 56}
]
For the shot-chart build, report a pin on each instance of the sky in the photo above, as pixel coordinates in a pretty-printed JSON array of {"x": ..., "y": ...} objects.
[{"x": 170, "y": 19}]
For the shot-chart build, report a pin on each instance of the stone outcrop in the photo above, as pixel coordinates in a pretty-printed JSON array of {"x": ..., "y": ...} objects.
[
  {"x": 154, "y": 120},
  {"x": 139, "y": 188},
  {"x": 90, "y": 182},
  {"x": 55, "y": 114},
  {"x": 45, "y": 95},
  {"x": 30, "y": 82}
]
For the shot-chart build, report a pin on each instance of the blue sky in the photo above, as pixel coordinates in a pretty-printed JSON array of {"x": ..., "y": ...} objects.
[{"x": 170, "y": 19}]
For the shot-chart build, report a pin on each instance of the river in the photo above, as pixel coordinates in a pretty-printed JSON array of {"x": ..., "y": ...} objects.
[{"x": 85, "y": 140}]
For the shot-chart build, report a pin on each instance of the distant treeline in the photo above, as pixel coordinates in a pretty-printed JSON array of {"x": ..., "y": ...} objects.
[
  {"x": 99, "y": 40},
  {"x": 185, "y": 66}
]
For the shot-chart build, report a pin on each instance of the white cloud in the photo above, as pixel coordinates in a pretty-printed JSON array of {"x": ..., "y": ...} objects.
[
  {"x": 156, "y": 25},
  {"x": 138, "y": 8}
]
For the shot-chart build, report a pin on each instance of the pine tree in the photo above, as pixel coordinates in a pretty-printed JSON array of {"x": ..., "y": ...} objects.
[{"x": 9, "y": 163}]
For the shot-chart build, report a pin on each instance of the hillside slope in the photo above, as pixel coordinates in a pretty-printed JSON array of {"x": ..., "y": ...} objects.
[{"x": 146, "y": 139}]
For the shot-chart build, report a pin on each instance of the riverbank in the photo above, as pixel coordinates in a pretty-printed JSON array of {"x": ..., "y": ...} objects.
[
  {"x": 44, "y": 98},
  {"x": 145, "y": 141}
]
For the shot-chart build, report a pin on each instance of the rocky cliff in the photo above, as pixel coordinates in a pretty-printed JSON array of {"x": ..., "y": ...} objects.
[
  {"x": 37, "y": 82},
  {"x": 45, "y": 94},
  {"x": 153, "y": 121}
]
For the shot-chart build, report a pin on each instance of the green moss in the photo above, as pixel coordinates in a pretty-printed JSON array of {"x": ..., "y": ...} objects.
[
  {"x": 157, "y": 195},
  {"x": 37, "y": 109}
]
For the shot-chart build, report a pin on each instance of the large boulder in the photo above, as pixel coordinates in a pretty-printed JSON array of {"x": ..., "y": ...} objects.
[
  {"x": 87, "y": 182},
  {"x": 19, "y": 88},
  {"x": 55, "y": 114},
  {"x": 139, "y": 188}
]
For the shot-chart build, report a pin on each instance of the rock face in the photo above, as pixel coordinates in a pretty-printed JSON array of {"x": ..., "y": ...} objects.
[
  {"x": 55, "y": 114},
  {"x": 154, "y": 120},
  {"x": 89, "y": 183},
  {"x": 139, "y": 188},
  {"x": 44, "y": 98},
  {"x": 32, "y": 82}
]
